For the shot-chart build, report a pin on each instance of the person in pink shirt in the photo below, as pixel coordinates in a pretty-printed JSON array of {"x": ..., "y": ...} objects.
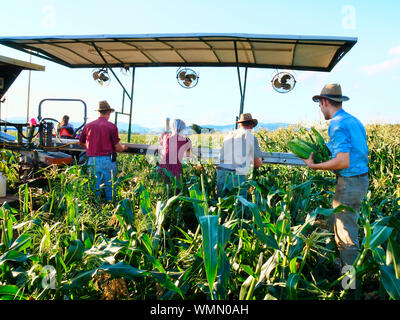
[
  {"x": 101, "y": 140},
  {"x": 175, "y": 146}
]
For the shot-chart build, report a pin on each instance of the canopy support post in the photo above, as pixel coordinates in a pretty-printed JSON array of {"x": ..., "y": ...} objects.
[
  {"x": 131, "y": 104},
  {"x": 242, "y": 91}
]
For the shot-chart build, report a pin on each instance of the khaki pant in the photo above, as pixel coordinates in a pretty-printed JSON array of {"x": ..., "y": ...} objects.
[{"x": 350, "y": 191}]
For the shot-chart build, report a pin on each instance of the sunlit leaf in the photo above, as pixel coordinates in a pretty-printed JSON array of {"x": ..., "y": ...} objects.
[
  {"x": 390, "y": 282},
  {"x": 13, "y": 255},
  {"x": 74, "y": 252},
  {"x": 393, "y": 255},
  {"x": 379, "y": 235},
  {"x": 209, "y": 228},
  {"x": 13, "y": 291},
  {"x": 291, "y": 286},
  {"x": 124, "y": 209}
]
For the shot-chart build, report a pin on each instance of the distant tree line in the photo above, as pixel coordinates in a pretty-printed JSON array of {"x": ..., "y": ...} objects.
[{"x": 198, "y": 129}]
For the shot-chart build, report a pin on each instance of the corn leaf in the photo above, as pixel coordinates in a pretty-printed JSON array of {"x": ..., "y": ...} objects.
[
  {"x": 124, "y": 209},
  {"x": 145, "y": 205},
  {"x": 248, "y": 270},
  {"x": 269, "y": 266},
  {"x": 197, "y": 200},
  {"x": 209, "y": 228},
  {"x": 291, "y": 286},
  {"x": 254, "y": 210},
  {"x": 22, "y": 242},
  {"x": 390, "y": 282},
  {"x": 328, "y": 212},
  {"x": 13, "y": 255},
  {"x": 165, "y": 281},
  {"x": 74, "y": 252},
  {"x": 12, "y": 291},
  {"x": 379, "y": 235},
  {"x": 393, "y": 255},
  {"x": 222, "y": 276},
  {"x": 394, "y": 223},
  {"x": 160, "y": 216},
  {"x": 162, "y": 277},
  {"x": 122, "y": 269},
  {"x": 268, "y": 240},
  {"x": 245, "y": 287}
]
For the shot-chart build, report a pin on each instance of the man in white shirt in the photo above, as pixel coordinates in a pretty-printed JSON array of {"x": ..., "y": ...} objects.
[{"x": 240, "y": 151}]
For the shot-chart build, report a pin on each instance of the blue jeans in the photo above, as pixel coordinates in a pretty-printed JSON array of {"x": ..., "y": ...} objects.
[{"x": 105, "y": 172}]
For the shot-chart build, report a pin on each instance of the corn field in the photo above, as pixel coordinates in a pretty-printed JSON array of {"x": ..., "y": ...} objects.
[{"x": 179, "y": 241}]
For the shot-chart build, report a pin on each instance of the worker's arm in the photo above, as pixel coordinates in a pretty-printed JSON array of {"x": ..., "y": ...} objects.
[
  {"x": 257, "y": 154},
  {"x": 120, "y": 147},
  {"x": 82, "y": 138},
  {"x": 258, "y": 162},
  {"x": 341, "y": 161},
  {"x": 188, "y": 148}
]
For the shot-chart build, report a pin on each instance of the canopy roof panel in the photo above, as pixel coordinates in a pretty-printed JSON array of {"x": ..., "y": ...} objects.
[
  {"x": 23, "y": 65},
  {"x": 10, "y": 69},
  {"x": 151, "y": 50}
]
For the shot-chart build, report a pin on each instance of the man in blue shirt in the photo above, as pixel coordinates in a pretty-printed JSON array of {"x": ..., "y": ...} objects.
[{"x": 349, "y": 160}]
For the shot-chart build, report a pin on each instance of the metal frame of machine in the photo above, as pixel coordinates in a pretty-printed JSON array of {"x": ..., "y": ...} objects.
[{"x": 312, "y": 53}]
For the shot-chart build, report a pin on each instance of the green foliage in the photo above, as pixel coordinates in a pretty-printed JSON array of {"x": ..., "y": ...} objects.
[
  {"x": 177, "y": 240},
  {"x": 196, "y": 128}
]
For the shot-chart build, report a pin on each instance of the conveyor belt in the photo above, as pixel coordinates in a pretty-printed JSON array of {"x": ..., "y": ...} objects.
[{"x": 197, "y": 153}]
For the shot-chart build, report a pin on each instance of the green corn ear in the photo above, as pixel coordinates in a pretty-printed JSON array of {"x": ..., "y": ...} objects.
[
  {"x": 300, "y": 148},
  {"x": 311, "y": 138},
  {"x": 325, "y": 154},
  {"x": 318, "y": 137}
]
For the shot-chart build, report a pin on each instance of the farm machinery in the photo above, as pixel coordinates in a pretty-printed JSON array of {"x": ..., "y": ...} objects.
[
  {"x": 32, "y": 142},
  {"x": 37, "y": 142},
  {"x": 39, "y": 145}
]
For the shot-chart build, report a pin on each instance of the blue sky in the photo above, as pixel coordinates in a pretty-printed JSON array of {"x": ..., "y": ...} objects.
[{"x": 369, "y": 73}]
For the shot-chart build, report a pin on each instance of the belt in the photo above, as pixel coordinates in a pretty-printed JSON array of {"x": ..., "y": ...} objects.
[
  {"x": 226, "y": 169},
  {"x": 106, "y": 155},
  {"x": 358, "y": 175}
]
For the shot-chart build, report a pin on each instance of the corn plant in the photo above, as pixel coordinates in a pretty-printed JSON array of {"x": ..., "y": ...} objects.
[{"x": 176, "y": 240}]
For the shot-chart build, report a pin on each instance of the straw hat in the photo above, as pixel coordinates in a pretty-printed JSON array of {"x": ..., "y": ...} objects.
[
  {"x": 332, "y": 92},
  {"x": 246, "y": 117},
  {"x": 104, "y": 106}
]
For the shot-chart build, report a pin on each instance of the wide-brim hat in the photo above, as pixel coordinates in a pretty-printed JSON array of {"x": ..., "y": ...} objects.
[
  {"x": 246, "y": 117},
  {"x": 332, "y": 92},
  {"x": 104, "y": 106}
]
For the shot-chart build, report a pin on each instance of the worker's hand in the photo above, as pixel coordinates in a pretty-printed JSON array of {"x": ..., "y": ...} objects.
[
  {"x": 124, "y": 147},
  {"x": 310, "y": 161}
]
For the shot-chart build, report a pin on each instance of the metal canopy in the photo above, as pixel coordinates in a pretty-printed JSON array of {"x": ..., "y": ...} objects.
[
  {"x": 23, "y": 65},
  {"x": 10, "y": 69},
  {"x": 312, "y": 53}
]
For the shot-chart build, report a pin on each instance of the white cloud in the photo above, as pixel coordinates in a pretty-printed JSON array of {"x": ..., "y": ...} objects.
[
  {"x": 386, "y": 65},
  {"x": 395, "y": 51}
]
